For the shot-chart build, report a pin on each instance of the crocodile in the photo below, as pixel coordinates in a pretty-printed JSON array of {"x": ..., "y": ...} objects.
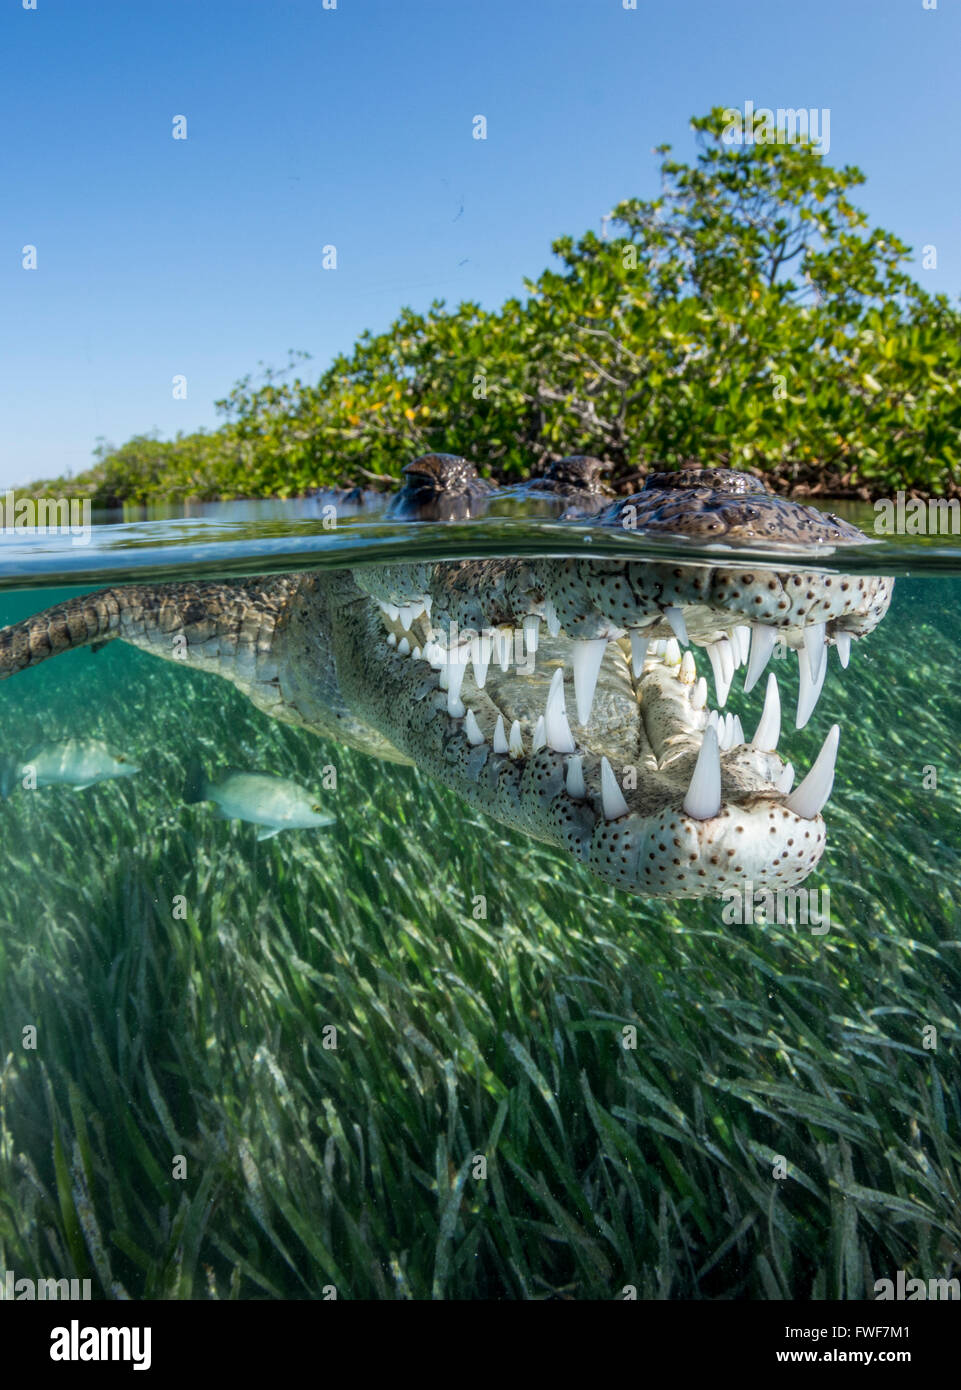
[
  {"x": 560, "y": 695},
  {"x": 439, "y": 487},
  {"x": 448, "y": 487}
]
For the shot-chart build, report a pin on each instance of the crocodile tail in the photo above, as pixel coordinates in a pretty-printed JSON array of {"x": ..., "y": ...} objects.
[
  {"x": 92, "y": 618},
  {"x": 177, "y": 621}
]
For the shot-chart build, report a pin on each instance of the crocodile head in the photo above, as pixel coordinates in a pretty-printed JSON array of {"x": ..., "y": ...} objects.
[
  {"x": 573, "y": 483},
  {"x": 576, "y": 471},
  {"x": 563, "y": 696},
  {"x": 439, "y": 487},
  {"x": 560, "y": 695}
]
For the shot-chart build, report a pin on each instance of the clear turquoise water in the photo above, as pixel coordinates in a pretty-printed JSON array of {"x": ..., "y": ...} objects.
[{"x": 201, "y": 1033}]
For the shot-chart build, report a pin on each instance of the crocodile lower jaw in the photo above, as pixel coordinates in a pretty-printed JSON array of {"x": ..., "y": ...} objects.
[{"x": 649, "y": 788}]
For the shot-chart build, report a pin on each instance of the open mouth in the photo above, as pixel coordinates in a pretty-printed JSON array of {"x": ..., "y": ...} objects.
[
  {"x": 593, "y": 714},
  {"x": 560, "y": 695}
]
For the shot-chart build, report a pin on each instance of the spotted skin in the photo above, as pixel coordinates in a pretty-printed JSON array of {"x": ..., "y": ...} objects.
[{"x": 317, "y": 650}]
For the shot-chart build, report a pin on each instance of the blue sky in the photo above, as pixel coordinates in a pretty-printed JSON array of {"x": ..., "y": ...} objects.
[{"x": 353, "y": 127}]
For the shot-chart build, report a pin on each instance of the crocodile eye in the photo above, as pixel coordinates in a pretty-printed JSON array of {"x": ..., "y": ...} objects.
[{"x": 317, "y": 808}]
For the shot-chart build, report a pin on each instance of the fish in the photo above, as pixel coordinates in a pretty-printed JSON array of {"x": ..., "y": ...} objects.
[
  {"x": 72, "y": 762},
  {"x": 273, "y": 803}
]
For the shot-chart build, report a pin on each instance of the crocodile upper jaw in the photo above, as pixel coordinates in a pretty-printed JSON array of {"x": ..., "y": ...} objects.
[{"x": 569, "y": 709}]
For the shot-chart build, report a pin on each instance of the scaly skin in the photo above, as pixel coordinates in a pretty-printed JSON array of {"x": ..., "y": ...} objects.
[{"x": 327, "y": 652}]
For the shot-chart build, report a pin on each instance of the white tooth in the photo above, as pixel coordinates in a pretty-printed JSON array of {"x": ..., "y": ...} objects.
[
  {"x": 531, "y": 627},
  {"x": 703, "y": 800},
  {"x": 763, "y": 639},
  {"x": 688, "y": 672},
  {"x": 817, "y": 651},
  {"x": 728, "y": 732},
  {"x": 428, "y": 604},
  {"x": 392, "y": 639},
  {"x": 786, "y": 780},
  {"x": 472, "y": 729},
  {"x": 699, "y": 694},
  {"x": 672, "y": 652},
  {"x": 504, "y": 641},
  {"x": 586, "y": 660},
  {"x": 392, "y": 611},
  {"x": 406, "y": 615},
  {"x": 814, "y": 791},
  {"x": 737, "y": 733},
  {"x": 769, "y": 725},
  {"x": 675, "y": 617},
  {"x": 551, "y": 619},
  {"x": 480, "y": 652},
  {"x": 539, "y": 740},
  {"x": 516, "y": 743},
  {"x": 500, "y": 738},
  {"x": 722, "y": 664},
  {"x": 809, "y": 691},
  {"x": 659, "y": 646},
  {"x": 455, "y": 680},
  {"x": 435, "y": 655},
  {"x": 403, "y": 647},
  {"x": 575, "y": 778},
  {"x": 743, "y": 634},
  {"x": 638, "y": 652},
  {"x": 558, "y": 730},
  {"x": 417, "y": 653},
  {"x": 714, "y": 721},
  {"x": 843, "y": 640},
  {"x": 612, "y": 798}
]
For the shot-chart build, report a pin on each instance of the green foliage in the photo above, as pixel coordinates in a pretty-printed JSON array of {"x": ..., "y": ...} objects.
[{"x": 748, "y": 316}]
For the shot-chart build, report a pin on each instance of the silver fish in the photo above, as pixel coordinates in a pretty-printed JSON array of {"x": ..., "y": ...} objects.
[
  {"x": 274, "y": 803},
  {"x": 73, "y": 762}
]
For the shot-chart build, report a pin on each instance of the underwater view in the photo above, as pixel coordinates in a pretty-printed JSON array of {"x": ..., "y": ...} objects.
[
  {"x": 471, "y": 939},
  {"x": 480, "y": 678}
]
